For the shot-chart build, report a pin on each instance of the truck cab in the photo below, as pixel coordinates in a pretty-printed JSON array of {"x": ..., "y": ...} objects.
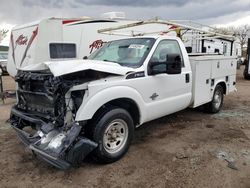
[{"x": 92, "y": 106}]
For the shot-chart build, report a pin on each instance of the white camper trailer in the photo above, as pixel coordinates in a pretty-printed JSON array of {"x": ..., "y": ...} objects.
[
  {"x": 53, "y": 39},
  {"x": 57, "y": 38}
]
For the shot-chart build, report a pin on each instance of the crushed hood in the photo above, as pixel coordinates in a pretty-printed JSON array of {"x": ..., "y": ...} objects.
[{"x": 59, "y": 68}]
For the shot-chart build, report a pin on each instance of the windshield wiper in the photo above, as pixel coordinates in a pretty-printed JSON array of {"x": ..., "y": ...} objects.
[{"x": 110, "y": 61}]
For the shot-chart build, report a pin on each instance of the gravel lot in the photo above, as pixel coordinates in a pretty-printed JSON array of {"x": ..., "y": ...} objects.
[{"x": 186, "y": 149}]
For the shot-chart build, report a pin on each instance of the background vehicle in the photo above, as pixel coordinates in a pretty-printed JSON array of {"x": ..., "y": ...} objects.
[
  {"x": 93, "y": 105},
  {"x": 3, "y": 62},
  {"x": 246, "y": 73}
]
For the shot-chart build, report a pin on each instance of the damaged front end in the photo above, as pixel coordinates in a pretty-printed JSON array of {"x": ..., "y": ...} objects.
[{"x": 44, "y": 118}]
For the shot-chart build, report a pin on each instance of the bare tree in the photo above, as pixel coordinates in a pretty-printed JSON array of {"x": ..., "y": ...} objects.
[
  {"x": 224, "y": 30},
  {"x": 242, "y": 33},
  {"x": 3, "y": 34}
]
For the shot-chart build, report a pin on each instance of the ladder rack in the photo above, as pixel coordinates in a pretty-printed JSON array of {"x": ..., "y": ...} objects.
[{"x": 203, "y": 31}]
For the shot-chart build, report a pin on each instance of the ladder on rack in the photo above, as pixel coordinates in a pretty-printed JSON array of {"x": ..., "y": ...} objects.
[{"x": 204, "y": 32}]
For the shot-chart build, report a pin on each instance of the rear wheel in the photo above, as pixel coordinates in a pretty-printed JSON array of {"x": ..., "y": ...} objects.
[
  {"x": 113, "y": 133},
  {"x": 217, "y": 101}
]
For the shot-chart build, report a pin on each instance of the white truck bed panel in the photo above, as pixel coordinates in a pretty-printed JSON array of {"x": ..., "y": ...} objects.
[{"x": 208, "y": 70}]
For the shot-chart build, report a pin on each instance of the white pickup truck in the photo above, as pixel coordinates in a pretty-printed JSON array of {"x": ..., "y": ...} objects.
[{"x": 77, "y": 107}]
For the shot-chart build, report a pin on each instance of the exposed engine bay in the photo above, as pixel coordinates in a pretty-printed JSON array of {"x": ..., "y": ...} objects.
[{"x": 44, "y": 116}]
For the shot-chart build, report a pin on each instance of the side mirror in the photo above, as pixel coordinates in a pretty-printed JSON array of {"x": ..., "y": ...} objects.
[
  {"x": 173, "y": 64},
  {"x": 156, "y": 67}
]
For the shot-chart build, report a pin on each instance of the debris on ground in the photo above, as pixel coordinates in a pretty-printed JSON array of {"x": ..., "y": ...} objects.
[
  {"x": 181, "y": 154},
  {"x": 231, "y": 165},
  {"x": 195, "y": 160},
  {"x": 246, "y": 154},
  {"x": 230, "y": 160}
]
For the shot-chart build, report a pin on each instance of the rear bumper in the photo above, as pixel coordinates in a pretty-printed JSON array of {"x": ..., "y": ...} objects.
[{"x": 70, "y": 151}]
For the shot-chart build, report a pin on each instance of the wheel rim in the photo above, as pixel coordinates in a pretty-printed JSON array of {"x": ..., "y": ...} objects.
[
  {"x": 217, "y": 99},
  {"x": 115, "y": 136}
]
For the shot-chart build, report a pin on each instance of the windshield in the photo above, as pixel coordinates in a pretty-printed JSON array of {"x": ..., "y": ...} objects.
[
  {"x": 126, "y": 52},
  {"x": 3, "y": 55}
]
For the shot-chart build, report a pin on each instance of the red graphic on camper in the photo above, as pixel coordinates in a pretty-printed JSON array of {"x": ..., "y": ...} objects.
[
  {"x": 22, "y": 40},
  {"x": 69, "y": 21},
  {"x": 173, "y": 27},
  {"x": 33, "y": 36},
  {"x": 96, "y": 45}
]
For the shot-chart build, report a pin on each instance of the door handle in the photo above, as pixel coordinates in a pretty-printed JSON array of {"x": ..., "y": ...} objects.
[{"x": 187, "y": 78}]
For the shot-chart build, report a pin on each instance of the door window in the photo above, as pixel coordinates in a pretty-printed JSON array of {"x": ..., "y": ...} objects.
[{"x": 164, "y": 48}]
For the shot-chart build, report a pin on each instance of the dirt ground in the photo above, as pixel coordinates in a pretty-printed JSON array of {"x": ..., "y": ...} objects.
[{"x": 186, "y": 149}]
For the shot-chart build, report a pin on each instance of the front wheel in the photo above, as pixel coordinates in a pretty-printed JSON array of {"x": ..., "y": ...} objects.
[
  {"x": 217, "y": 101},
  {"x": 113, "y": 133}
]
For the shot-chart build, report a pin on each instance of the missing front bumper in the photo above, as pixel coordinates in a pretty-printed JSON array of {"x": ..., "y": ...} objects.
[{"x": 61, "y": 149}]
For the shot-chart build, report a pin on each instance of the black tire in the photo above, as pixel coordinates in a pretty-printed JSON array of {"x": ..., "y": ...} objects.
[
  {"x": 102, "y": 153},
  {"x": 215, "y": 106},
  {"x": 246, "y": 75}
]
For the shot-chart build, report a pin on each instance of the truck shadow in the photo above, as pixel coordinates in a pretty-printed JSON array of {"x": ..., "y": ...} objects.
[{"x": 169, "y": 124}]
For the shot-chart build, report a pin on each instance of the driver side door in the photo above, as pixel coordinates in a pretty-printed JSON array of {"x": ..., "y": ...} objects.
[{"x": 167, "y": 93}]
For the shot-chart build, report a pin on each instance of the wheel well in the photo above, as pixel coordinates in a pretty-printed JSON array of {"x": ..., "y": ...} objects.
[
  {"x": 223, "y": 85},
  {"x": 125, "y": 103}
]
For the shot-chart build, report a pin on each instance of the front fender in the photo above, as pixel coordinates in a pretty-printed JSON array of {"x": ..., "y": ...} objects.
[{"x": 89, "y": 107}]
